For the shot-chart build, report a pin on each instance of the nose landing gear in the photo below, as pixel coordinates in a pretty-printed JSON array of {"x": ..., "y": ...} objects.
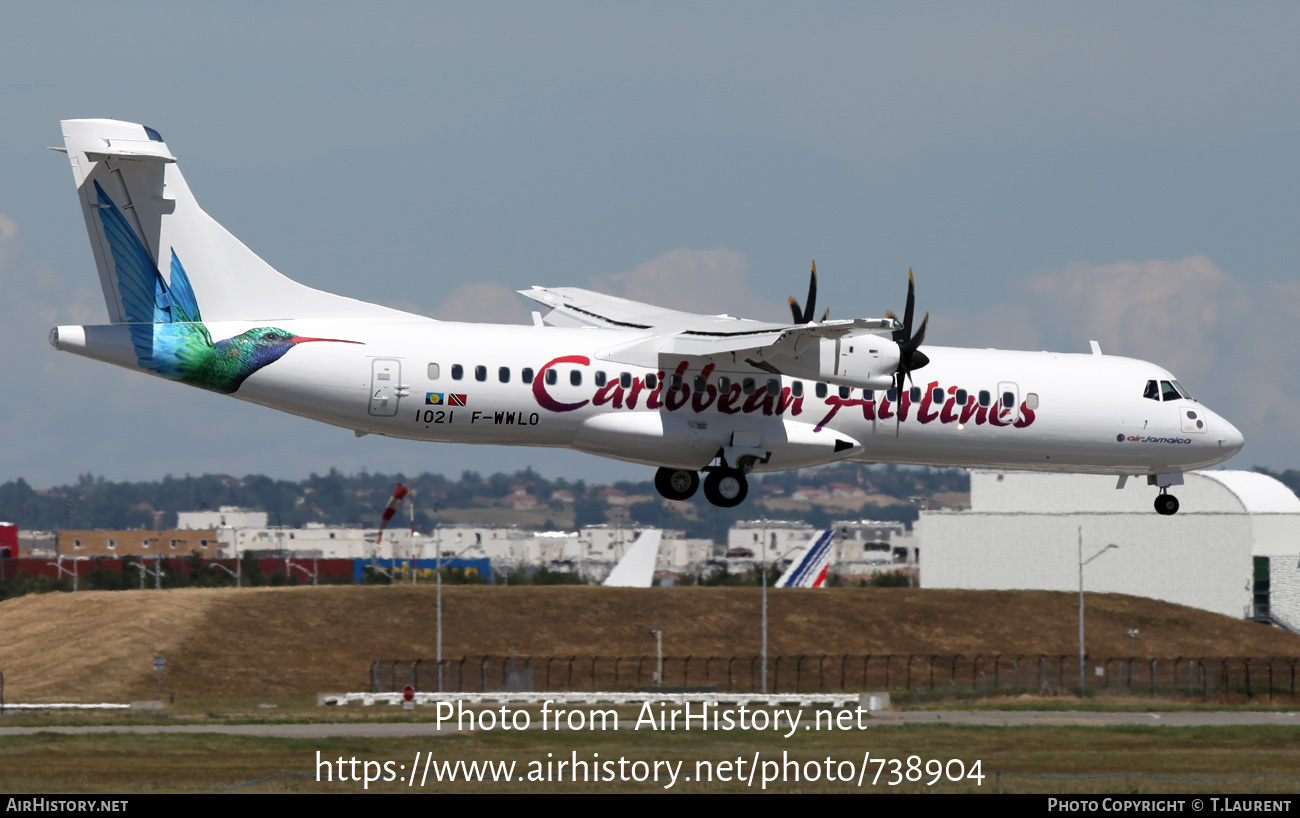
[{"x": 1166, "y": 504}]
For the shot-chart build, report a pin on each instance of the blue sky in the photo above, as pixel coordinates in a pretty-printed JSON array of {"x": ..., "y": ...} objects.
[{"x": 1053, "y": 173}]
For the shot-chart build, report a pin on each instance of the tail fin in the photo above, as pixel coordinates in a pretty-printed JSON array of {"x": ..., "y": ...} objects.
[
  {"x": 808, "y": 570},
  {"x": 139, "y": 211},
  {"x": 637, "y": 568}
]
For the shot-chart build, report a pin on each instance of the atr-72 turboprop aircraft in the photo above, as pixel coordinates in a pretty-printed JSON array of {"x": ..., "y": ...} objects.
[{"x": 687, "y": 393}]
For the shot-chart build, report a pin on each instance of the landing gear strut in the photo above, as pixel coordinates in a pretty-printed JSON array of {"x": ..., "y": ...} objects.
[
  {"x": 677, "y": 484},
  {"x": 726, "y": 487},
  {"x": 1166, "y": 504}
]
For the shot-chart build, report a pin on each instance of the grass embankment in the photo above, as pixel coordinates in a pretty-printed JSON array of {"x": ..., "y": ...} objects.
[{"x": 251, "y": 644}]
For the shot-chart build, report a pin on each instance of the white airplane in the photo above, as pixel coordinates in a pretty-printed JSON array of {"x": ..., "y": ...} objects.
[{"x": 689, "y": 394}]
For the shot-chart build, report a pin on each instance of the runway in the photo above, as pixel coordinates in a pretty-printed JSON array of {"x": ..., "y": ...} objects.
[{"x": 1058, "y": 718}]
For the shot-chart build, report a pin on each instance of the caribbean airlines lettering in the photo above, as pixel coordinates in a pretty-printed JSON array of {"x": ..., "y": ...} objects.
[{"x": 615, "y": 396}]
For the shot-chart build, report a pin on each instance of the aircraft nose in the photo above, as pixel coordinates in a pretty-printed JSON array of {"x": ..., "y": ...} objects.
[{"x": 1230, "y": 440}]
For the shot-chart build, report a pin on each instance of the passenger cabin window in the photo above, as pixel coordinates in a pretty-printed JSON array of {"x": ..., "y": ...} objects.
[
  {"x": 625, "y": 380},
  {"x": 796, "y": 389},
  {"x": 892, "y": 395},
  {"x": 962, "y": 396},
  {"x": 503, "y": 374},
  {"x": 773, "y": 386},
  {"x": 821, "y": 390},
  {"x": 985, "y": 398},
  {"x": 600, "y": 378},
  {"x": 457, "y": 372},
  {"x": 1152, "y": 391},
  {"x": 701, "y": 383},
  {"x": 480, "y": 373},
  {"x": 526, "y": 375},
  {"x": 937, "y": 395},
  {"x": 1008, "y": 400},
  {"x": 868, "y": 394},
  {"x": 551, "y": 377},
  {"x": 1031, "y": 400},
  {"x": 724, "y": 383},
  {"x": 915, "y": 394},
  {"x": 433, "y": 372},
  {"x": 575, "y": 377},
  {"x": 651, "y": 381},
  {"x": 845, "y": 391},
  {"x": 747, "y": 386}
]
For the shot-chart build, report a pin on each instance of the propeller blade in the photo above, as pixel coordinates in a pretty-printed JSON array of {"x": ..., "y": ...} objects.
[
  {"x": 915, "y": 341},
  {"x": 911, "y": 303},
  {"x": 805, "y": 315},
  {"x": 811, "y": 304}
]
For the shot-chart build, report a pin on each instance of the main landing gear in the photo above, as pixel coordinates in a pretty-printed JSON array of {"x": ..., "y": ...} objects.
[
  {"x": 1166, "y": 504},
  {"x": 725, "y": 487},
  {"x": 677, "y": 484}
]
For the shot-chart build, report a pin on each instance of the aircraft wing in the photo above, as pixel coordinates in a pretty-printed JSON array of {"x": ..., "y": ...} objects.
[{"x": 673, "y": 332}]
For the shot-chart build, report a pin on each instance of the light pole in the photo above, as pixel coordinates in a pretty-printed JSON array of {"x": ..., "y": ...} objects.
[
  {"x": 659, "y": 656},
  {"x": 1132, "y": 654},
  {"x": 1083, "y": 562},
  {"x": 763, "y": 580}
]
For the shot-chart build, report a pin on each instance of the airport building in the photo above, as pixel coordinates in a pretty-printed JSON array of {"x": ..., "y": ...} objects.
[
  {"x": 592, "y": 551},
  {"x": 861, "y": 547},
  {"x": 1233, "y": 547}
]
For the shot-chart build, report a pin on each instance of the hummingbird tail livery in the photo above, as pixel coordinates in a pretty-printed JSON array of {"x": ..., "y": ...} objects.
[{"x": 707, "y": 399}]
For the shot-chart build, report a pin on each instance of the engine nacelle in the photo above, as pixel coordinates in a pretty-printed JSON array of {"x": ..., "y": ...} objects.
[{"x": 859, "y": 359}]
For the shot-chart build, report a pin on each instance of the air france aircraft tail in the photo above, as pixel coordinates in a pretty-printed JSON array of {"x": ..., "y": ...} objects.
[
  {"x": 809, "y": 569},
  {"x": 637, "y": 568},
  {"x": 143, "y": 221}
]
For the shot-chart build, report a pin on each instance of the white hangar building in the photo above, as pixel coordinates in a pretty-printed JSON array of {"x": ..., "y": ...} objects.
[{"x": 1233, "y": 547}]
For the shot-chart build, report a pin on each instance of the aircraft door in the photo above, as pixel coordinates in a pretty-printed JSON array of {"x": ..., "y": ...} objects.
[
  {"x": 385, "y": 386},
  {"x": 1008, "y": 393}
]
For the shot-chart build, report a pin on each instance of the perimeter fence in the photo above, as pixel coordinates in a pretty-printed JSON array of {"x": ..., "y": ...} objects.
[{"x": 1220, "y": 678}]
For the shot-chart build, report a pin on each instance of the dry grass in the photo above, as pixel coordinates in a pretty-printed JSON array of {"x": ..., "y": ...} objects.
[
  {"x": 199, "y": 763},
  {"x": 245, "y": 644}
]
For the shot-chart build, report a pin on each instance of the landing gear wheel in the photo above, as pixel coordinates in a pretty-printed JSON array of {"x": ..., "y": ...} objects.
[
  {"x": 726, "y": 487},
  {"x": 677, "y": 484},
  {"x": 1166, "y": 504}
]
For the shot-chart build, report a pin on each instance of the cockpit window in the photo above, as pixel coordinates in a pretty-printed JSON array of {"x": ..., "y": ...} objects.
[
  {"x": 1152, "y": 391},
  {"x": 1183, "y": 391},
  {"x": 1168, "y": 392}
]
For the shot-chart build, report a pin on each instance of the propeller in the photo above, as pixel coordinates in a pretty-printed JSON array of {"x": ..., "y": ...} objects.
[
  {"x": 805, "y": 316},
  {"x": 910, "y": 357}
]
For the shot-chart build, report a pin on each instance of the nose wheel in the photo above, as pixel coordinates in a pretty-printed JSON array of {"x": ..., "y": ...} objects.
[
  {"x": 677, "y": 484},
  {"x": 726, "y": 487},
  {"x": 1166, "y": 504}
]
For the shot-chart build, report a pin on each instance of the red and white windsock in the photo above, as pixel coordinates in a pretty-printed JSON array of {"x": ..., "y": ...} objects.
[{"x": 394, "y": 503}]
